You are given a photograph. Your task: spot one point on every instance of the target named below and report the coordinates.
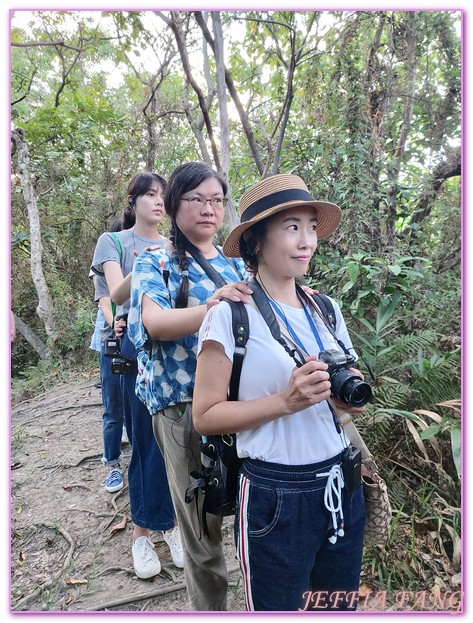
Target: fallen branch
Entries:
(76, 485)
(95, 514)
(29, 598)
(23, 405)
(131, 598)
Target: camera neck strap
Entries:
(280, 333)
(260, 302)
(203, 262)
(278, 323)
(310, 300)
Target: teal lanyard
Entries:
(291, 331)
(297, 340)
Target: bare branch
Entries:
(174, 26)
(28, 90)
(234, 95)
(30, 336)
(451, 167)
(46, 44)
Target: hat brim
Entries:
(328, 218)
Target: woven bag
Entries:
(377, 507)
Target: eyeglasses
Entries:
(217, 203)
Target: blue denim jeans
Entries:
(150, 500)
(112, 416)
(282, 530)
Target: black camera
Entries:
(351, 468)
(346, 386)
(111, 347)
(120, 363)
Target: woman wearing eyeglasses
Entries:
(170, 295)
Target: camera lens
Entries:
(349, 388)
(356, 392)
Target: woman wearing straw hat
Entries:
(170, 294)
(299, 532)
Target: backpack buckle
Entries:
(228, 440)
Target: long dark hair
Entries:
(184, 178)
(139, 185)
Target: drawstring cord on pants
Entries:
(333, 500)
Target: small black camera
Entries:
(351, 468)
(346, 386)
(120, 363)
(111, 347)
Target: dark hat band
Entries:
(276, 199)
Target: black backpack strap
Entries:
(327, 309)
(220, 463)
(241, 333)
(166, 277)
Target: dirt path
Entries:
(65, 555)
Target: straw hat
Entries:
(272, 195)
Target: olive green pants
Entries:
(205, 568)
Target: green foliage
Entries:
(34, 379)
(78, 329)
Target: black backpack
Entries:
(218, 480)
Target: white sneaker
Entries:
(173, 539)
(145, 559)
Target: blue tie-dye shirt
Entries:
(166, 369)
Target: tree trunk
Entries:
(30, 336)
(181, 46)
(44, 308)
(451, 167)
(150, 118)
(231, 214)
(411, 67)
(236, 100)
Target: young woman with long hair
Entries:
(150, 499)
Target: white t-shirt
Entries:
(305, 437)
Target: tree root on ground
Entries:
(108, 570)
(132, 598)
(29, 598)
(159, 591)
(94, 513)
(76, 485)
(23, 406)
